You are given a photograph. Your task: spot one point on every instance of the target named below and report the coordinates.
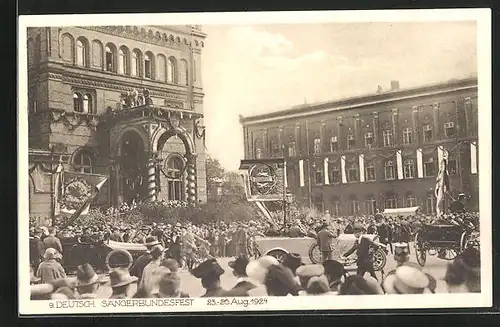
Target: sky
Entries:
(254, 69)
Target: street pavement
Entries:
(189, 284)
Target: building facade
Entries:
(120, 101)
(357, 155)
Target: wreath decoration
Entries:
(76, 192)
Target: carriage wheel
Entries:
(379, 259)
(315, 253)
(464, 242)
(420, 250)
(449, 253)
(278, 254)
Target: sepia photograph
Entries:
(244, 161)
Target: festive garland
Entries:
(76, 192)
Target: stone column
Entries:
(435, 114)
(191, 188)
(375, 130)
(152, 160)
(395, 126)
(414, 117)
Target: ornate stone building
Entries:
(121, 101)
(378, 151)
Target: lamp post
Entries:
(286, 206)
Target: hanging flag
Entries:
(342, 168)
(420, 165)
(399, 163)
(301, 173)
(473, 158)
(361, 167)
(442, 182)
(325, 166)
(84, 208)
(58, 187)
(285, 176)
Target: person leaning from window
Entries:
(363, 246)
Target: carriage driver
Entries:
(364, 250)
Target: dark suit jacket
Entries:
(217, 292)
(363, 250)
(52, 242)
(325, 239)
(240, 289)
(36, 250)
(138, 266)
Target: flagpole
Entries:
(308, 166)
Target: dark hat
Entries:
(334, 269)
(468, 263)
(157, 250)
(151, 241)
(239, 264)
(357, 285)
(280, 281)
(86, 275)
(358, 227)
(169, 281)
(121, 277)
(171, 264)
(207, 268)
(293, 261)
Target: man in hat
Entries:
(87, 281)
(279, 281)
(50, 269)
(141, 262)
(51, 241)
(293, 261)
(325, 241)
(458, 205)
(147, 281)
(363, 246)
(334, 272)
(243, 284)
(464, 273)
(116, 235)
(209, 272)
(36, 249)
(120, 282)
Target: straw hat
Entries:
(86, 275)
(50, 253)
(406, 280)
(121, 277)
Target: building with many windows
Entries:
(120, 101)
(357, 155)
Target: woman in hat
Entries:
(50, 269)
(245, 286)
(280, 281)
(120, 282)
(87, 281)
(147, 282)
(209, 272)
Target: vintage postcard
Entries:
(246, 161)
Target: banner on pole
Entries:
(265, 179)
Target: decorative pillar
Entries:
(375, 130)
(191, 180)
(395, 126)
(435, 115)
(152, 177)
(340, 135)
(414, 118)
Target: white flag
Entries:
(301, 173)
(325, 166)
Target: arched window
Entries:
(87, 104)
(183, 72)
(97, 54)
(408, 169)
(110, 58)
(171, 70)
(390, 202)
(389, 169)
(77, 102)
(410, 201)
(81, 53)
(175, 169)
(161, 63)
(123, 61)
(82, 162)
(148, 65)
(67, 48)
(135, 64)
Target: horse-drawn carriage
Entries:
(447, 241)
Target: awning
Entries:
(409, 211)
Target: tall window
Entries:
(183, 72)
(123, 64)
(427, 133)
(335, 207)
(390, 202)
(275, 148)
(351, 142)
(449, 129)
(258, 149)
(389, 169)
(352, 172)
(317, 146)
(135, 64)
(407, 136)
(81, 53)
(369, 171)
(368, 139)
(370, 205)
(408, 169)
(83, 162)
(452, 166)
(171, 70)
(431, 203)
(87, 104)
(292, 152)
(334, 145)
(353, 206)
(387, 136)
(335, 176)
(175, 167)
(148, 66)
(318, 175)
(77, 102)
(429, 167)
(410, 201)
(110, 59)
